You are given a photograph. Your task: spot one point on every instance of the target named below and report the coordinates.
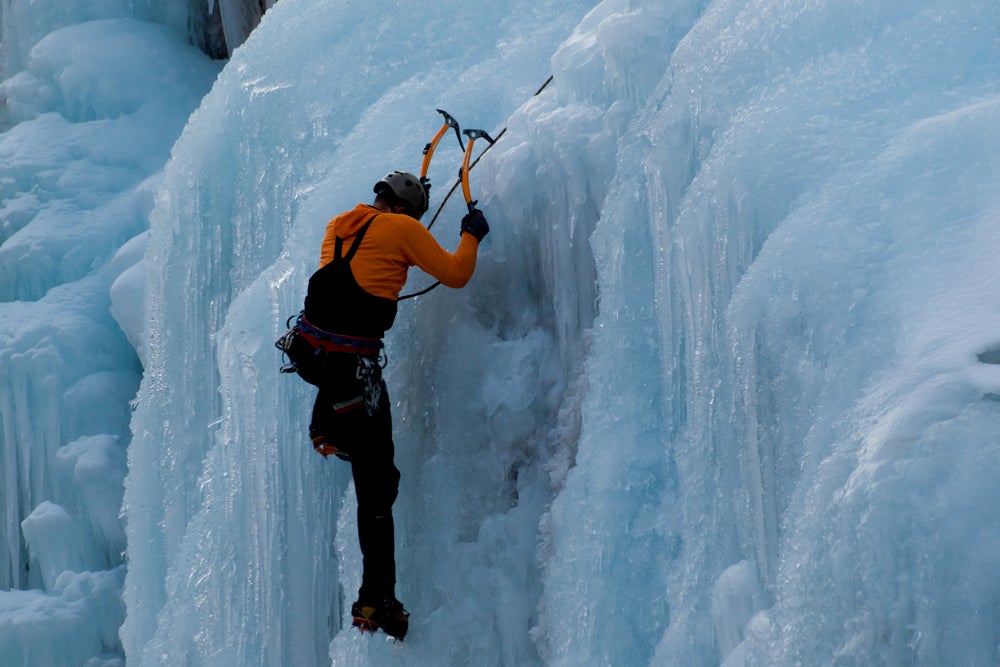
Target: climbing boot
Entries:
(387, 615)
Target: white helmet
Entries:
(407, 188)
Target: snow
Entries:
(91, 116)
(75, 623)
(723, 390)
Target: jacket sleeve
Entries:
(453, 269)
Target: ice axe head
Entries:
(449, 122)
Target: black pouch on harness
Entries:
(304, 358)
(321, 358)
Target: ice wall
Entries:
(25, 24)
(723, 390)
(89, 121)
(791, 342)
(692, 409)
(236, 535)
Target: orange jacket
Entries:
(393, 244)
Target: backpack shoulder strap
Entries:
(357, 240)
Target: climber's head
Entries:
(401, 188)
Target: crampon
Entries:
(387, 616)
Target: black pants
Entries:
(367, 440)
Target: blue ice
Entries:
(724, 390)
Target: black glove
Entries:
(475, 223)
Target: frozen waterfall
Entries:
(724, 390)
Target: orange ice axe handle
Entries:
(472, 135)
(449, 122)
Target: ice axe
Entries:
(449, 122)
(464, 174)
(467, 165)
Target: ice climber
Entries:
(351, 302)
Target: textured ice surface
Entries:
(724, 389)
